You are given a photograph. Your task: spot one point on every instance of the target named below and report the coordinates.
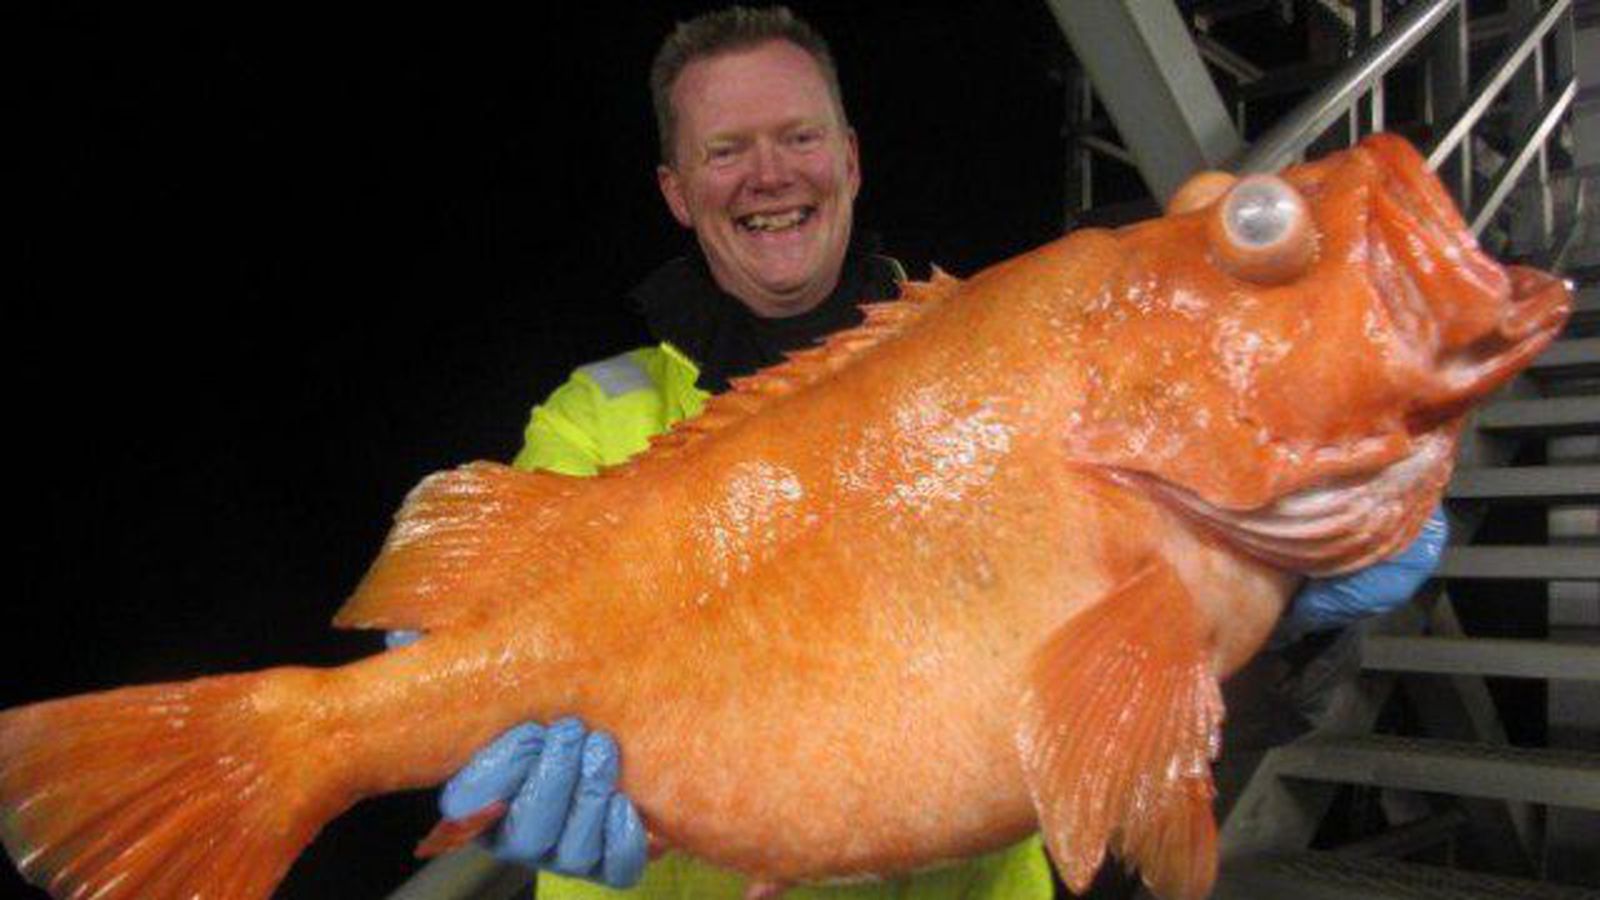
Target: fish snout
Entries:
(1539, 308)
(1531, 315)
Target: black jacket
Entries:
(681, 303)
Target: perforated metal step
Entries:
(1553, 777)
(1327, 876)
(1542, 484)
(1572, 563)
(1482, 656)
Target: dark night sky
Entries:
(277, 266)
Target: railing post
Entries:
(1078, 195)
(1369, 24)
(1531, 222)
(1446, 76)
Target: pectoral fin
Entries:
(1121, 719)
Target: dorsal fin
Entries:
(751, 394)
(458, 542)
(462, 537)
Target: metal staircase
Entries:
(1453, 749)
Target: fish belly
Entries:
(851, 708)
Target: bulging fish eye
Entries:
(1262, 231)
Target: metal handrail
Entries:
(1528, 146)
(1287, 140)
(1494, 84)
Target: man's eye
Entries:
(721, 153)
(805, 138)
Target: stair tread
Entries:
(1482, 656)
(1552, 776)
(1552, 415)
(1564, 355)
(1558, 563)
(1553, 483)
(1322, 875)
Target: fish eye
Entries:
(1262, 231)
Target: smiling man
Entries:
(764, 168)
(758, 159)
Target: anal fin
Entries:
(1121, 719)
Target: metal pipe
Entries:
(1529, 147)
(1485, 95)
(1237, 67)
(1285, 141)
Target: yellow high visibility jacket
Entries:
(605, 413)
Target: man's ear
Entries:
(853, 161)
(672, 191)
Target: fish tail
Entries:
(165, 791)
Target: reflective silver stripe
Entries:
(617, 376)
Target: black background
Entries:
(279, 264)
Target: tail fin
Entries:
(166, 791)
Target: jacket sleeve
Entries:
(603, 415)
(560, 436)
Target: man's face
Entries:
(766, 174)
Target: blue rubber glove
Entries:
(1328, 603)
(565, 814)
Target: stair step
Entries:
(1571, 357)
(1569, 563)
(1551, 416)
(1482, 656)
(1585, 311)
(1544, 484)
(1554, 777)
(1327, 876)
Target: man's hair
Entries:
(726, 31)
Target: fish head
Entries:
(1318, 333)
(1367, 244)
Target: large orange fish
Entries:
(970, 570)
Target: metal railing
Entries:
(1495, 144)
(1536, 67)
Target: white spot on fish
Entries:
(756, 498)
(945, 452)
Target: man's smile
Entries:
(768, 222)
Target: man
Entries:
(759, 160)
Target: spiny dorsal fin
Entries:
(751, 394)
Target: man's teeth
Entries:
(774, 221)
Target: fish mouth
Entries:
(1471, 323)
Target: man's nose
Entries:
(772, 168)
